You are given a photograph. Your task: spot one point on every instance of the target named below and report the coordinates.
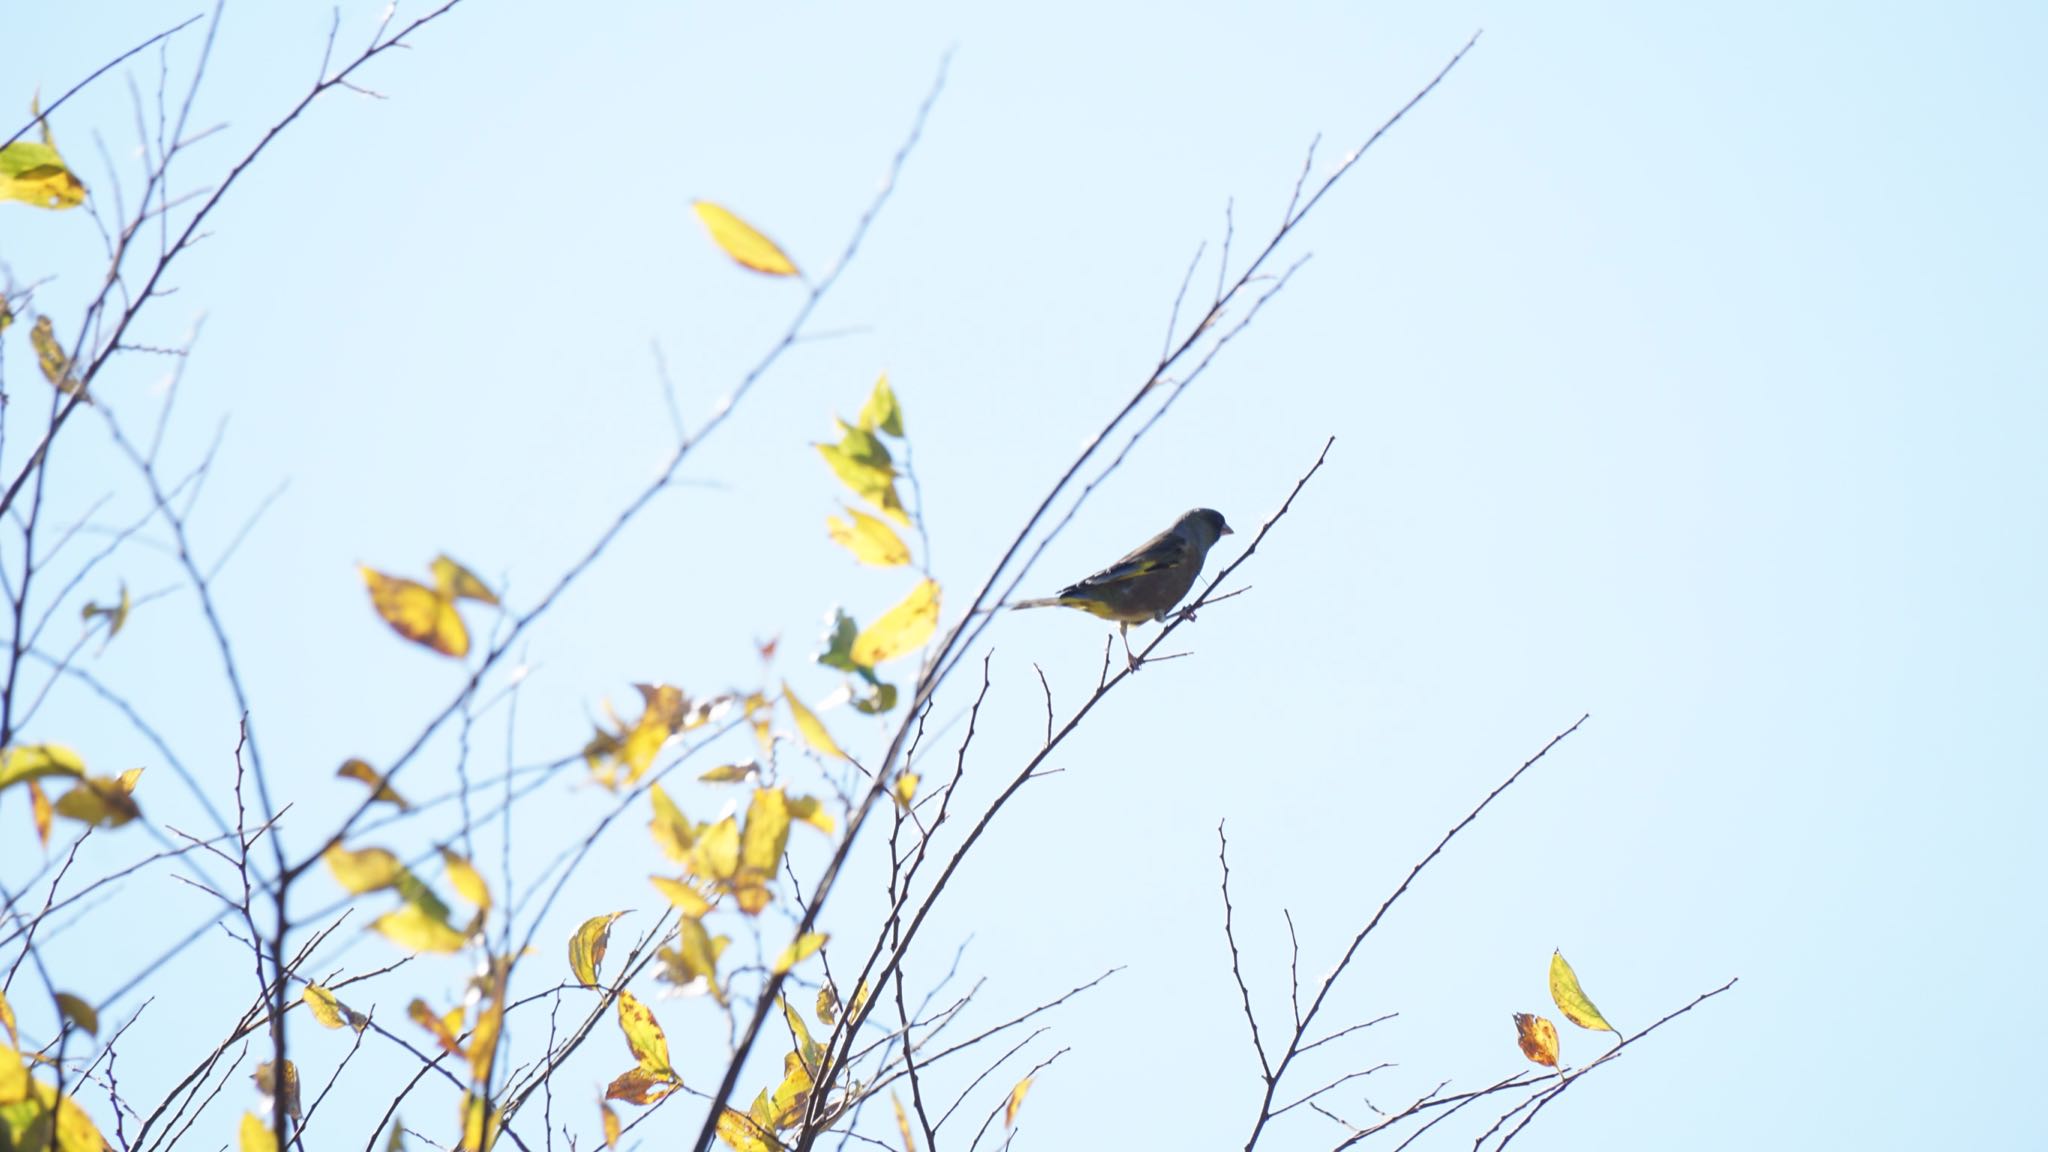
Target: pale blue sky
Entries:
(1686, 368)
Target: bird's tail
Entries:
(1045, 602)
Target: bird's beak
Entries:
(1227, 531)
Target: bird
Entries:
(1146, 584)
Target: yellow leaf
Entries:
(742, 1134)
(39, 811)
(695, 957)
(808, 1053)
(417, 612)
(902, 629)
(643, 1034)
(102, 801)
(325, 1008)
(1016, 1102)
(905, 788)
(482, 1050)
(35, 173)
(266, 1083)
(869, 539)
(672, 832)
(808, 726)
(15, 1083)
(480, 1123)
(739, 240)
(767, 831)
(1538, 1038)
(732, 773)
(469, 884)
(27, 1121)
(828, 1004)
(716, 855)
(454, 582)
(881, 412)
(586, 948)
(78, 1012)
(611, 1125)
(366, 871)
(799, 950)
(353, 769)
(785, 1107)
(903, 1124)
(662, 706)
(256, 1134)
(29, 761)
(7, 1022)
(761, 717)
(687, 899)
(52, 359)
(641, 1086)
(116, 615)
(415, 929)
(1571, 999)
(811, 810)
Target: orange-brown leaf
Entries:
(443, 1032)
(1016, 1102)
(1538, 1038)
(39, 810)
(641, 1086)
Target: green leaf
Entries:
(882, 700)
(838, 651)
(36, 174)
(863, 464)
(881, 411)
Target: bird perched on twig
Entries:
(1146, 584)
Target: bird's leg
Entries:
(1124, 630)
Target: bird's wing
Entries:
(1166, 549)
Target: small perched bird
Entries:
(1146, 584)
